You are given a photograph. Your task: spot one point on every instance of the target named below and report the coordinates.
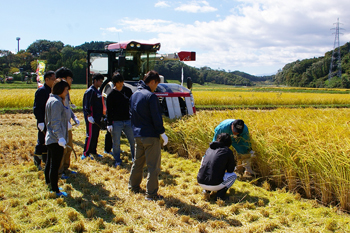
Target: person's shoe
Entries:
(67, 172)
(97, 155)
(60, 194)
(63, 176)
(108, 152)
(136, 190)
(154, 197)
(89, 156)
(221, 194)
(206, 192)
(39, 167)
(116, 164)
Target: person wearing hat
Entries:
(240, 141)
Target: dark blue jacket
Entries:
(145, 113)
(92, 104)
(41, 96)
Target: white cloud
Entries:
(257, 37)
(146, 25)
(162, 4)
(111, 29)
(196, 6)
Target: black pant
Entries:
(54, 157)
(92, 133)
(40, 149)
(108, 142)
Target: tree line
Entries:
(314, 72)
(57, 54)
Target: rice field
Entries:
(305, 150)
(99, 201)
(246, 99)
(24, 98)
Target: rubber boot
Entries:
(248, 168)
(221, 194)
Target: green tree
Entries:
(40, 46)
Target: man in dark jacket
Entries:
(218, 163)
(147, 123)
(41, 96)
(118, 116)
(93, 111)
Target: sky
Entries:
(258, 37)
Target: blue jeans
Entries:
(118, 127)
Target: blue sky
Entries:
(253, 36)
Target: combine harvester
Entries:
(133, 60)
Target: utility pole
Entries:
(336, 59)
(18, 43)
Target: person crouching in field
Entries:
(217, 166)
(56, 137)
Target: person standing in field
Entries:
(217, 166)
(147, 123)
(118, 116)
(67, 75)
(93, 112)
(240, 141)
(56, 121)
(41, 96)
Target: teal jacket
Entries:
(241, 143)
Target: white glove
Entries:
(62, 142)
(165, 139)
(77, 122)
(41, 126)
(69, 126)
(110, 128)
(91, 119)
(252, 154)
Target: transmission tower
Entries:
(335, 68)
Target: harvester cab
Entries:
(133, 60)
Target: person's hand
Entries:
(252, 154)
(73, 106)
(69, 126)
(77, 122)
(110, 128)
(165, 139)
(91, 119)
(62, 142)
(41, 126)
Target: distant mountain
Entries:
(172, 70)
